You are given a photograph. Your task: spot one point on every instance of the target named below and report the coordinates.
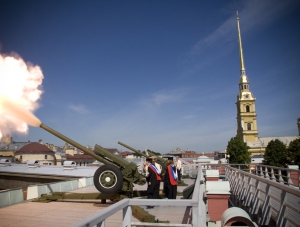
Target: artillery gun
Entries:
(115, 176)
(114, 180)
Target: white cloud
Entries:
(78, 109)
(163, 97)
(190, 116)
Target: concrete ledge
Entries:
(35, 191)
(10, 197)
(212, 173)
(217, 187)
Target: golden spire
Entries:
(242, 65)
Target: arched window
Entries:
(247, 108)
(249, 126)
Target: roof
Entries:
(78, 156)
(34, 148)
(125, 153)
(79, 171)
(202, 159)
(263, 141)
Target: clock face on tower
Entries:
(246, 96)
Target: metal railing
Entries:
(285, 176)
(290, 177)
(192, 169)
(198, 209)
(267, 199)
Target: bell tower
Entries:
(246, 113)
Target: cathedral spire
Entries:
(246, 113)
(242, 64)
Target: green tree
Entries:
(293, 152)
(238, 151)
(275, 154)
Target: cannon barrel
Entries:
(111, 157)
(161, 160)
(134, 150)
(102, 155)
(75, 144)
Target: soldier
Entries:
(170, 180)
(153, 180)
(157, 165)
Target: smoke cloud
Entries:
(20, 90)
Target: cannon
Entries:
(115, 176)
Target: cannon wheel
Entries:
(108, 179)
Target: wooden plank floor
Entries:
(53, 214)
(68, 213)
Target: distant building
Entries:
(81, 159)
(35, 151)
(190, 154)
(177, 152)
(114, 151)
(125, 154)
(8, 147)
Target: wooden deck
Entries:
(68, 213)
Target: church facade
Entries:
(246, 112)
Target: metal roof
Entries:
(263, 141)
(79, 171)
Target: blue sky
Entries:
(156, 74)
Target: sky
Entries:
(156, 75)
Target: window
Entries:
(247, 108)
(21, 157)
(45, 156)
(249, 126)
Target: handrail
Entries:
(265, 199)
(197, 204)
(267, 181)
(100, 216)
(292, 177)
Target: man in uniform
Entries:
(157, 165)
(170, 180)
(153, 180)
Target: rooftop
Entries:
(79, 171)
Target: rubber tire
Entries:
(108, 179)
